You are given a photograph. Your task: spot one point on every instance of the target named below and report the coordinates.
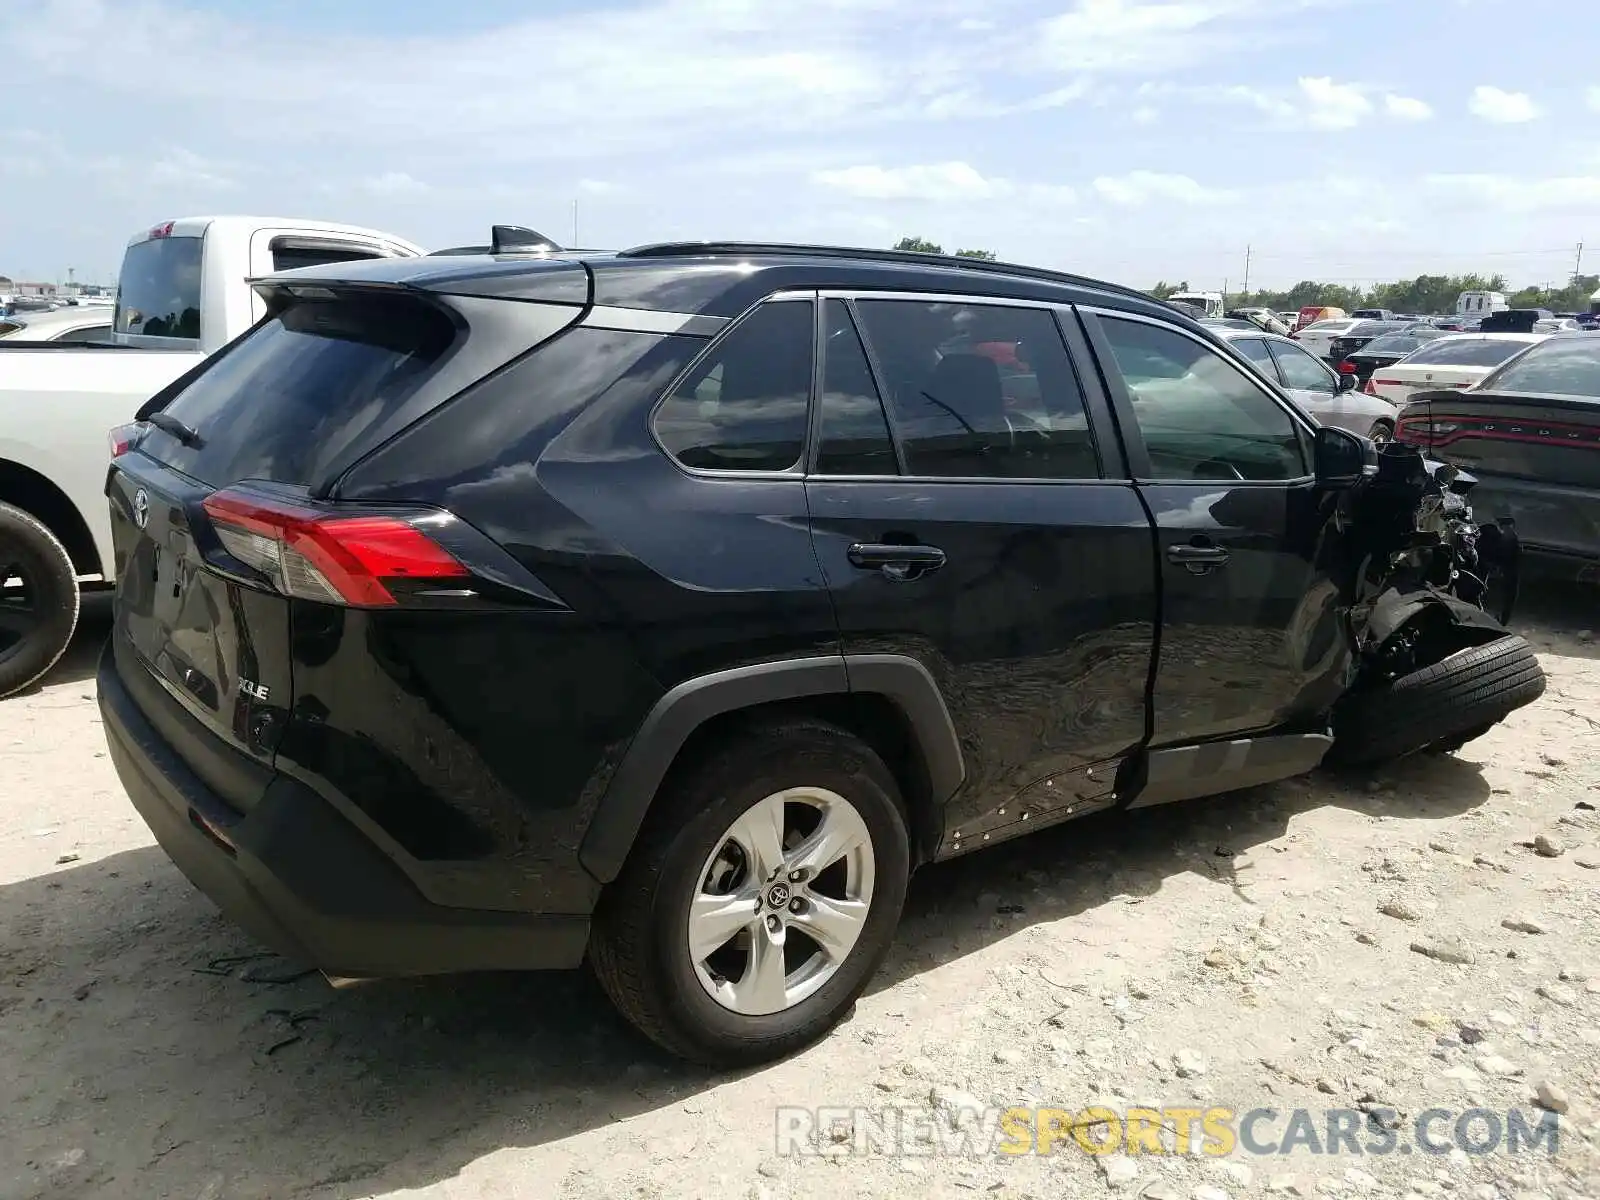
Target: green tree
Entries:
(919, 245)
(986, 255)
(1163, 289)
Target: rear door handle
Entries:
(1198, 559)
(897, 562)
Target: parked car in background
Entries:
(1261, 318)
(1355, 337)
(1319, 335)
(1382, 350)
(76, 325)
(1291, 319)
(1312, 313)
(1530, 434)
(184, 293)
(1456, 360)
(1558, 325)
(1375, 314)
(1328, 397)
(664, 610)
(1480, 304)
(1448, 324)
(1209, 304)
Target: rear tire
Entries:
(1441, 707)
(1381, 432)
(709, 1007)
(38, 599)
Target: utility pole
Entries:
(1577, 267)
(574, 221)
(1247, 272)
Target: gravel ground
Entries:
(1420, 939)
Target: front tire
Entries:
(38, 599)
(1442, 706)
(760, 898)
(1381, 432)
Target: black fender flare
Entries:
(673, 719)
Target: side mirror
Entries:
(1347, 383)
(1343, 459)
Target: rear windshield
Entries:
(1397, 343)
(287, 401)
(1480, 352)
(1567, 367)
(159, 291)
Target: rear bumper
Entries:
(1554, 522)
(305, 881)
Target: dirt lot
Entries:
(1287, 947)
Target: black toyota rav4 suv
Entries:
(667, 608)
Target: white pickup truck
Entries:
(183, 294)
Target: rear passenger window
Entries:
(979, 390)
(744, 406)
(1256, 351)
(854, 436)
(1200, 416)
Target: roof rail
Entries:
(908, 257)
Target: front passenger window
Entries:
(1301, 370)
(1199, 415)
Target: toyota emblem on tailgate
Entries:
(141, 508)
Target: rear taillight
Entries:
(1369, 389)
(125, 437)
(332, 558)
(1419, 429)
(1346, 367)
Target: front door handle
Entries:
(1198, 559)
(897, 562)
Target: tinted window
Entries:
(1567, 367)
(1301, 370)
(1255, 349)
(744, 406)
(291, 256)
(1200, 416)
(980, 390)
(853, 434)
(1476, 352)
(293, 395)
(1398, 343)
(159, 292)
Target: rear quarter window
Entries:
(296, 393)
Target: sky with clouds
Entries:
(1129, 139)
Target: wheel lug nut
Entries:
(797, 876)
(797, 906)
(773, 924)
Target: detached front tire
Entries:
(1440, 707)
(38, 599)
(760, 898)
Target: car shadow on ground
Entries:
(120, 982)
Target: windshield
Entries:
(1560, 367)
(1475, 352)
(159, 292)
(1395, 343)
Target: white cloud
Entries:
(1594, 98)
(393, 184)
(1406, 108)
(1330, 105)
(1131, 35)
(598, 187)
(1502, 107)
(1141, 187)
(943, 182)
(1519, 194)
(933, 181)
(1146, 114)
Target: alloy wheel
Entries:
(19, 606)
(781, 901)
